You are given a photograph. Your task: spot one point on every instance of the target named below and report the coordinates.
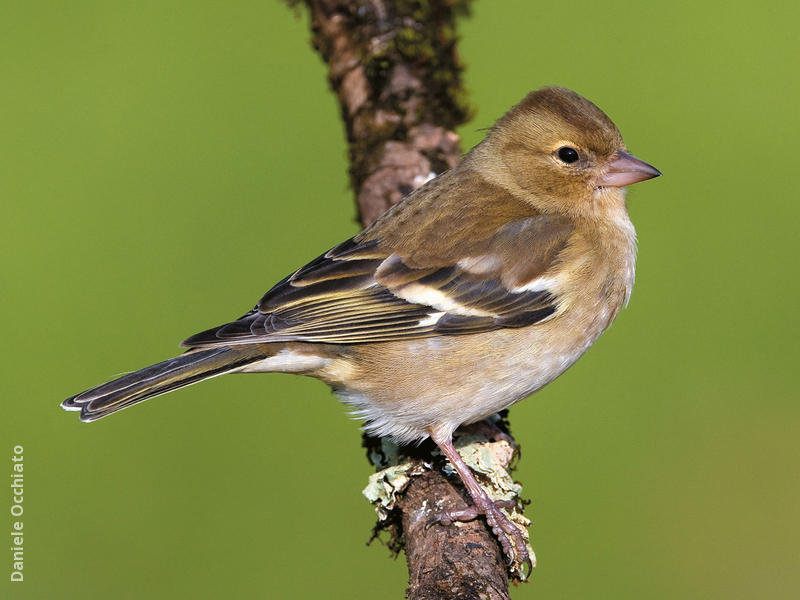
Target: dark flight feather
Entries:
(361, 292)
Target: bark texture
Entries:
(394, 68)
(457, 561)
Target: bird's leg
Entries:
(508, 534)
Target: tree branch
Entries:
(394, 68)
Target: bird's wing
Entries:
(363, 291)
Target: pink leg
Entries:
(508, 534)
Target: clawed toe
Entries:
(507, 533)
(462, 514)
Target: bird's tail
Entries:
(163, 377)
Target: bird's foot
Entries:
(507, 533)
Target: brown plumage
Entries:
(475, 291)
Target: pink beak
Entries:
(625, 170)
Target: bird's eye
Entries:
(568, 155)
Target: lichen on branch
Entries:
(394, 68)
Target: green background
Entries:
(163, 163)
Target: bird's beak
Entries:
(627, 169)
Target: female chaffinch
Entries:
(476, 290)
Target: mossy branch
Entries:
(394, 67)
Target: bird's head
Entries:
(564, 151)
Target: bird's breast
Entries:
(403, 388)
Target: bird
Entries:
(474, 291)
